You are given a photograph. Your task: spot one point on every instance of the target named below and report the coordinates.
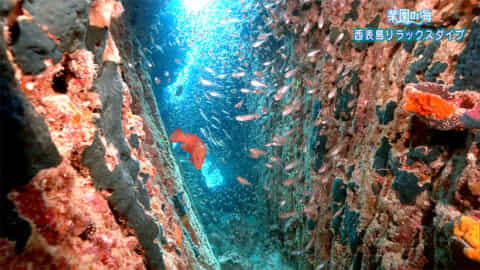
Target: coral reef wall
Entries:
(88, 180)
(384, 136)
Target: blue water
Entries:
(193, 54)
(206, 37)
(198, 37)
(210, 40)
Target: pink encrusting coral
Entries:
(111, 52)
(69, 215)
(66, 211)
(70, 115)
(74, 223)
(70, 124)
(59, 222)
(83, 71)
(102, 12)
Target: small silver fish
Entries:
(247, 117)
(209, 70)
(335, 150)
(291, 165)
(322, 264)
(204, 133)
(264, 36)
(339, 38)
(206, 83)
(280, 92)
(255, 83)
(288, 110)
(258, 43)
(203, 115)
(290, 73)
(238, 74)
(307, 28)
(239, 104)
(313, 53)
(298, 252)
(216, 94)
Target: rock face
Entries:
(390, 136)
(383, 141)
(88, 179)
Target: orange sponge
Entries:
(427, 104)
(468, 229)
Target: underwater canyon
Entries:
(239, 134)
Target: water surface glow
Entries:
(196, 5)
(213, 176)
(205, 30)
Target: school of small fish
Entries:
(262, 71)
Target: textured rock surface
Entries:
(382, 139)
(90, 181)
(384, 184)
